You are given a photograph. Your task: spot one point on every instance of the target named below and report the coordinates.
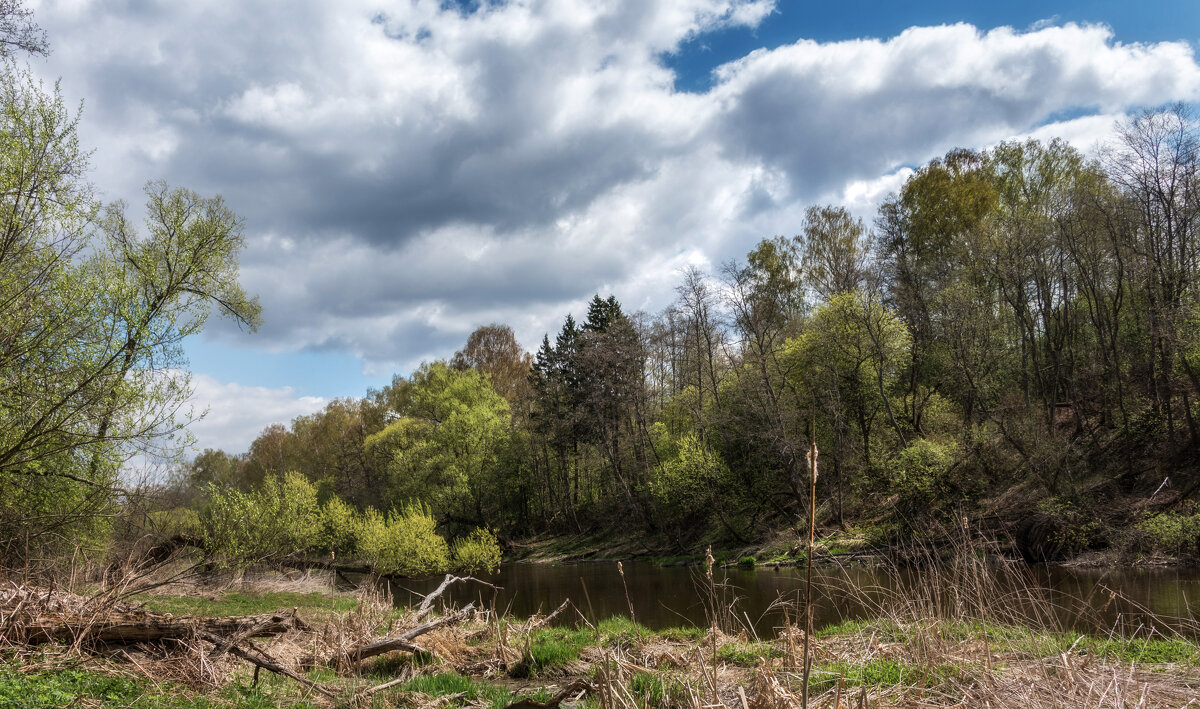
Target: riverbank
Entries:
(915, 650)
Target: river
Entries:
(1088, 600)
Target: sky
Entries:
(410, 170)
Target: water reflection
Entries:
(1081, 599)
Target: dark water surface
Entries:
(1087, 600)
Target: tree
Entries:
(444, 448)
(494, 351)
(92, 313)
(19, 32)
(835, 251)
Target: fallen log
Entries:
(118, 627)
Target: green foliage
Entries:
(405, 543)
(339, 527)
(280, 518)
(476, 552)
(1172, 532)
(445, 449)
(683, 485)
(919, 475)
(92, 318)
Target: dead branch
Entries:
(539, 622)
(427, 604)
(573, 691)
(266, 662)
(404, 640)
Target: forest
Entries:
(1016, 337)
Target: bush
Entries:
(280, 518)
(478, 551)
(1170, 532)
(339, 527)
(920, 475)
(405, 544)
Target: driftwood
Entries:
(427, 604)
(404, 640)
(114, 626)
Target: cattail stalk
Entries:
(812, 533)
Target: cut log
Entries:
(116, 627)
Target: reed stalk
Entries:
(812, 533)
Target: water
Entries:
(1079, 599)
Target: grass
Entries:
(747, 654)
(881, 672)
(464, 690)
(659, 689)
(226, 604)
(61, 687)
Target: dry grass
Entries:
(974, 632)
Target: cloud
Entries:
(238, 413)
(408, 172)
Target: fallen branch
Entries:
(404, 640)
(266, 662)
(573, 691)
(427, 604)
(539, 622)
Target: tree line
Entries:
(1024, 317)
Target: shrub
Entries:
(280, 518)
(339, 527)
(404, 543)
(1171, 532)
(478, 551)
(919, 474)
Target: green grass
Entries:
(552, 648)
(747, 654)
(1037, 643)
(72, 686)
(247, 603)
(682, 634)
(659, 689)
(878, 673)
(469, 690)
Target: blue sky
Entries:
(408, 171)
(1150, 21)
